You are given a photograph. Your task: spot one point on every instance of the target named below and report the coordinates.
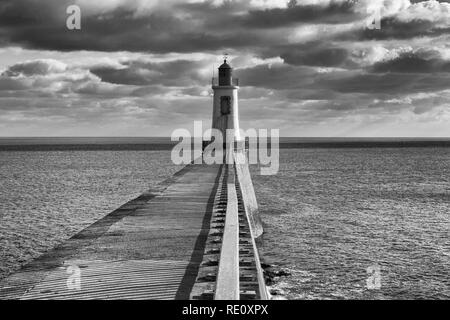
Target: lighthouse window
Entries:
(225, 105)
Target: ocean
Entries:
(330, 214)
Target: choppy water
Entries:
(46, 197)
(329, 214)
(332, 213)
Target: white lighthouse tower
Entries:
(225, 106)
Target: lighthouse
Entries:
(225, 104)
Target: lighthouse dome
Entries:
(224, 65)
(225, 74)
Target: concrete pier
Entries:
(150, 248)
(165, 244)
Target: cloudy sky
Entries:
(144, 67)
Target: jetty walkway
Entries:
(191, 237)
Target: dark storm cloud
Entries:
(200, 27)
(327, 57)
(239, 14)
(417, 1)
(194, 91)
(392, 28)
(310, 94)
(144, 91)
(173, 73)
(8, 84)
(42, 25)
(158, 33)
(195, 27)
(30, 68)
(278, 76)
(50, 78)
(422, 61)
(390, 83)
(303, 83)
(335, 12)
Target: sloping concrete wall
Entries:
(248, 194)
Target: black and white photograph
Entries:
(213, 151)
